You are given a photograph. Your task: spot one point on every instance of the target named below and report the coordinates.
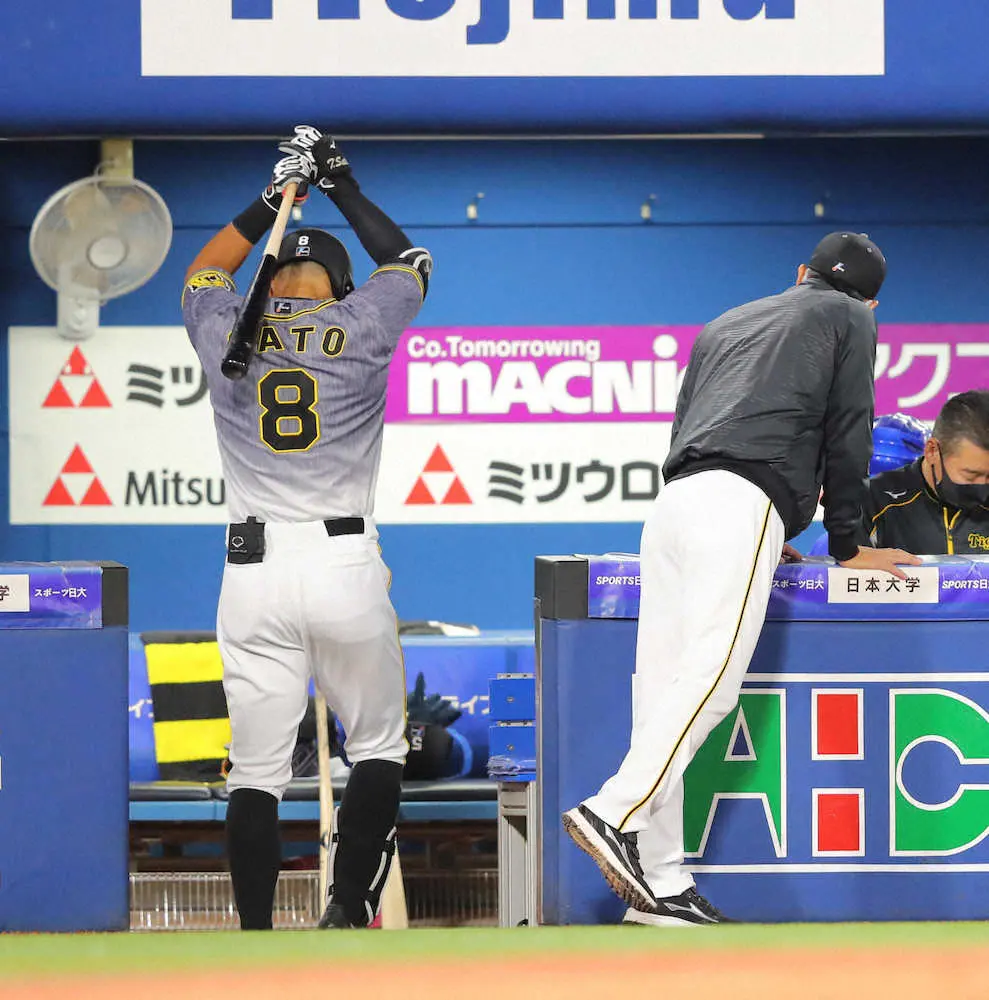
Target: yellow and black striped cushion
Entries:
(191, 726)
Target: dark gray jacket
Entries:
(781, 391)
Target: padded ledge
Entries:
(299, 790)
(454, 790)
(170, 791)
(422, 801)
(307, 790)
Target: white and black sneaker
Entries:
(689, 909)
(616, 854)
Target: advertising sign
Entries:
(946, 587)
(50, 595)
(483, 424)
(903, 753)
(505, 38)
(418, 67)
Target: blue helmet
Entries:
(897, 440)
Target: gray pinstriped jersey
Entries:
(300, 436)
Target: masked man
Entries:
(939, 504)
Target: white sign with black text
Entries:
(514, 38)
(865, 586)
(118, 430)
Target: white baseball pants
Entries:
(709, 549)
(316, 606)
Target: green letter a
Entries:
(743, 758)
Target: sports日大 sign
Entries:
(509, 38)
(479, 421)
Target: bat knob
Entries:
(235, 370)
(235, 364)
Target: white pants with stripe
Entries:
(316, 606)
(709, 549)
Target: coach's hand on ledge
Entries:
(790, 555)
(887, 560)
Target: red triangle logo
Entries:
(58, 396)
(77, 462)
(95, 496)
(95, 396)
(438, 462)
(420, 494)
(456, 493)
(77, 364)
(58, 496)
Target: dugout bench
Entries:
(458, 667)
(179, 826)
(166, 802)
(447, 828)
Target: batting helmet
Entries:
(897, 440)
(323, 249)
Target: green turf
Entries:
(33, 954)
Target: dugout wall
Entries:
(559, 241)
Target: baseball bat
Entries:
(394, 911)
(244, 336)
(325, 796)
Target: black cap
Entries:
(323, 249)
(850, 262)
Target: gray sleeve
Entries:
(394, 293)
(209, 307)
(686, 388)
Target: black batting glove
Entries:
(326, 156)
(431, 709)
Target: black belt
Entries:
(344, 526)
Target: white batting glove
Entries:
(290, 169)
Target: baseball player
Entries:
(777, 396)
(305, 591)
(939, 503)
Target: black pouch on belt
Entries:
(245, 542)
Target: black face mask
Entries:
(964, 496)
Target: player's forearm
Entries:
(380, 237)
(228, 249)
(232, 245)
(847, 447)
(843, 514)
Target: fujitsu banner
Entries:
(496, 67)
(513, 38)
(480, 421)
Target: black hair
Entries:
(964, 417)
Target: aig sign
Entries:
(811, 776)
(530, 38)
